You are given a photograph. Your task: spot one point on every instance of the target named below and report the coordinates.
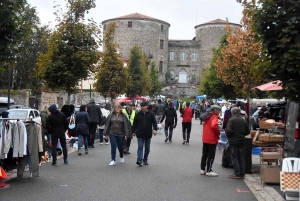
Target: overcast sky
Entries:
(183, 15)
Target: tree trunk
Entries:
(249, 105)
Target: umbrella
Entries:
(270, 86)
(127, 99)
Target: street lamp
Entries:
(90, 81)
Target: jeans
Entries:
(169, 127)
(85, 140)
(101, 135)
(48, 138)
(91, 136)
(186, 130)
(116, 141)
(208, 156)
(238, 159)
(141, 142)
(63, 143)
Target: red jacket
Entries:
(211, 130)
(187, 114)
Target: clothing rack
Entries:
(29, 120)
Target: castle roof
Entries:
(136, 16)
(216, 22)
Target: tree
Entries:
(277, 23)
(155, 84)
(242, 57)
(11, 30)
(71, 49)
(111, 76)
(138, 73)
(211, 85)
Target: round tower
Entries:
(150, 34)
(209, 35)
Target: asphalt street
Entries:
(173, 174)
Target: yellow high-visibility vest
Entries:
(131, 119)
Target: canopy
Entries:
(127, 99)
(270, 86)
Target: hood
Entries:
(206, 116)
(52, 108)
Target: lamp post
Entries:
(9, 85)
(90, 81)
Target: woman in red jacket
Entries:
(210, 139)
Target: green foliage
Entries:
(156, 87)
(111, 76)
(211, 85)
(11, 28)
(139, 77)
(277, 23)
(71, 49)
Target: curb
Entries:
(261, 192)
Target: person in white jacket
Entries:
(105, 113)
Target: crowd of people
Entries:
(126, 121)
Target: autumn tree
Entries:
(211, 85)
(241, 59)
(155, 84)
(71, 49)
(139, 76)
(277, 23)
(111, 75)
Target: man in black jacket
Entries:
(171, 121)
(57, 124)
(159, 110)
(236, 130)
(143, 122)
(95, 114)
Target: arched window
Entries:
(182, 76)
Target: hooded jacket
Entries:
(211, 129)
(170, 115)
(236, 130)
(57, 122)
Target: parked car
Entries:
(19, 107)
(25, 114)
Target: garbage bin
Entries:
(248, 155)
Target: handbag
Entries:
(72, 122)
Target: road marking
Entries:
(64, 185)
(242, 191)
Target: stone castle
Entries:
(179, 62)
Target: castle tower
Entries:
(150, 34)
(209, 35)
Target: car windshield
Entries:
(17, 114)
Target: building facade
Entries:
(182, 60)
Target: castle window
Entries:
(161, 44)
(172, 56)
(161, 27)
(182, 56)
(129, 24)
(194, 56)
(104, 27)
(161, 63)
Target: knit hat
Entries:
(52, 108)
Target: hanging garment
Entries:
(16, 140)
(25, 137)
(4, 130)
(34, 146)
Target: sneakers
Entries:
(86, 151)
(122, 160)
(202, 172)
(54, 163)
(139, 163)
(211, 174)
(112, 163)
(79, 152)
(107, 143)
(66, 161)
(183, 142)
(233, 176)
(187, 143)
(145, 163)
(101, 143)
(166, 140)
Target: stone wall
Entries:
(21, 97)
(146, 34)
(180, 91)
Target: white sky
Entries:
(183, 15)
